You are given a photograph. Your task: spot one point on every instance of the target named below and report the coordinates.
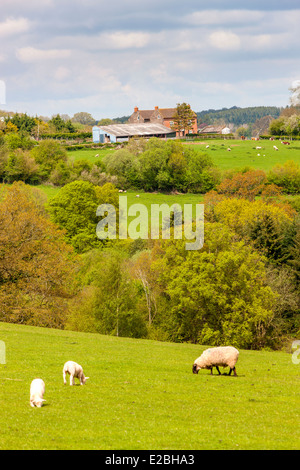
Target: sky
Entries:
(106, 57)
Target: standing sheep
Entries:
(37, 390)
(225, 356)
(75, 370)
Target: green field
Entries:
(89, 154)
(244, 153)
(142, 395)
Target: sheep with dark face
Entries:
(224, 356)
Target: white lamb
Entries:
(225, 356)
(37, 390)
(75, 370)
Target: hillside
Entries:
(237, 116)
(142, 395)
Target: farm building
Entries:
(164, 116)
(123, 132)
(212, 129)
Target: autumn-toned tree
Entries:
(36, 264)
(245, 185)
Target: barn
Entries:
(123, 132)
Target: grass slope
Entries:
(244, 153)
(142, 395)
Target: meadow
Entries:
(244, 153)
(142, 394)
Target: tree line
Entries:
(238, 116)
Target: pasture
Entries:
(142, 395)
(244, 153)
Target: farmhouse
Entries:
(164, 116)
(123, 132)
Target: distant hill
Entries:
(237, 116)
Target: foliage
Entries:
(183, 118)
(243, 185)
(286, 125)
(35, 263)
(238, 116)
(216, 295)
(109, 302)
(61, 125)
(287, 176)
(83, 118)
(48, 154)
(22, 122)
(74, 210)
(158, 165)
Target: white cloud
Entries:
(31, 54)
(124, 40)
(225, 40)
(14, 26)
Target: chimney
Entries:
(136, 109)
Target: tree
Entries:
(216, 295)
(108, 303)
(243, 185)
(83, 118)
(36, 265)
(184, 118)
(61, 125)
(23, 122)
(48, 154)
(74, 208)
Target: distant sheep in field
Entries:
(74, 370)
(137, 195)
(37, 390)
(274, 147)
(229, 149)
(225, 356)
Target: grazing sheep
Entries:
(229, 149)
(274, 147)
(225, 356)
(37, 390)
(75, 370)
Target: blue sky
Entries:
(101, 57)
